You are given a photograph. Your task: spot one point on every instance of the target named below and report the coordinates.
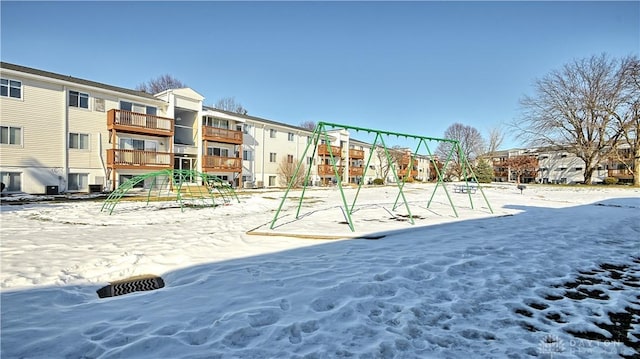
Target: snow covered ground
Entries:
(542, 276)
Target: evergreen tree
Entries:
(484, 171)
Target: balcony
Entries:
(406, 160)
(326, 150)
(221, 135)
(136, 159)
(221, 164)
(403, 173)
(356, 154)
(620, 173)
(140, 123)
(327, 170)
(356, 171)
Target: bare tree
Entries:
(496, 137)
(386, 163)
(287, 172)
(471, 146)
(522, 165)
(230, 104)
(309, 125)
(581, 108)
(160, 84)
(629, 120)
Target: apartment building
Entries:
(59, 133)
(559, 166)
(65, 134)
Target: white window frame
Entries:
(10, 84)
(247, 155)
(222, 152)
(80, 96)
(272, 181)
(79, 142)
(82, 181)
(272, 157)
(290, 136)
(9, 137)
(289, 158)
(273, 133)
(8, 179)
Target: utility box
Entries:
(51, 190)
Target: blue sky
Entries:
(410, 67)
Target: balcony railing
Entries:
(326, 150)
(403, 173)
(117, 158)
(328, 170)
(356, 171)
(133, 122)
(356, 154)
(221, 135)
(620, 173)
(221, 164)
(406, 160)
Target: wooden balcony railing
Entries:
(406, 160)
(133, 122)
(356, 171)
(117, 158)
(221, 164)
(327, 170)
(221, 135)
(620, 173)
(356, 154)
(326, 150)
(403, 173)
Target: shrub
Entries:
(378, 181)
(409, 180)
(610, 180)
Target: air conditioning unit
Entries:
(259, 184)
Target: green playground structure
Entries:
(321, 133)
(175, 185)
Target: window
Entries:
(12, 181)
(216, 122)
(272, 157)
(310, 161)
(272, 133)
(290, 136)
(246, 128)
(218, 152)
(131, 144)
(10, 135)
(78, 99)
(247, 155)
(79, 141)
(125, 178)
(77, 181)
(272, 180)
(10, 88)
(289, 158)
(578, 168)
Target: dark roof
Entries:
(29, 70)
(256, 118)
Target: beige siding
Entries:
(40, 113)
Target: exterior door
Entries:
(184, 163)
